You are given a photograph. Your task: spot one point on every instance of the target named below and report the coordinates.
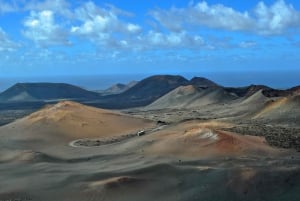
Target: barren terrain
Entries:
(179, 157)
(191, 142)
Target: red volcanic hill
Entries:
(205, 140)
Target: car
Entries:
(141, 132)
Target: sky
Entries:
(64, 37)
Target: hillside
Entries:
(205, 140)
(67, 120)
(282, 110)
(191, 96)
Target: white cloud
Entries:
(215, 16)
(61, 7)
(171, 40)
(171, 19)
(53, 22)
(264, 20)
(6, 45)
(42, 29)
(102, 25)
(133, 28)
(219, 16)
(277, 18)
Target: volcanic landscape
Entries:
(163, 138)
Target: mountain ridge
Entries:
(142, 93)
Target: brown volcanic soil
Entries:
(50, 130)
(187, 160)
(70, 120)
(194, 139)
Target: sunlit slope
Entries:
(70, 120)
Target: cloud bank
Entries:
(54, 22)
(275, 19)
(75, 30)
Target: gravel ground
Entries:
(277, 136)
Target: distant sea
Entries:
(277, 79)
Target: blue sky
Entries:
(61, 37)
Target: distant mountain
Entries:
(282, 93)
(131, 84)
(196, 92)
(266, 91)
(155, 86)
(246, 91)
(45, 91)
(202, 82)
(144, 92)
(118, 88)
(295, 90)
